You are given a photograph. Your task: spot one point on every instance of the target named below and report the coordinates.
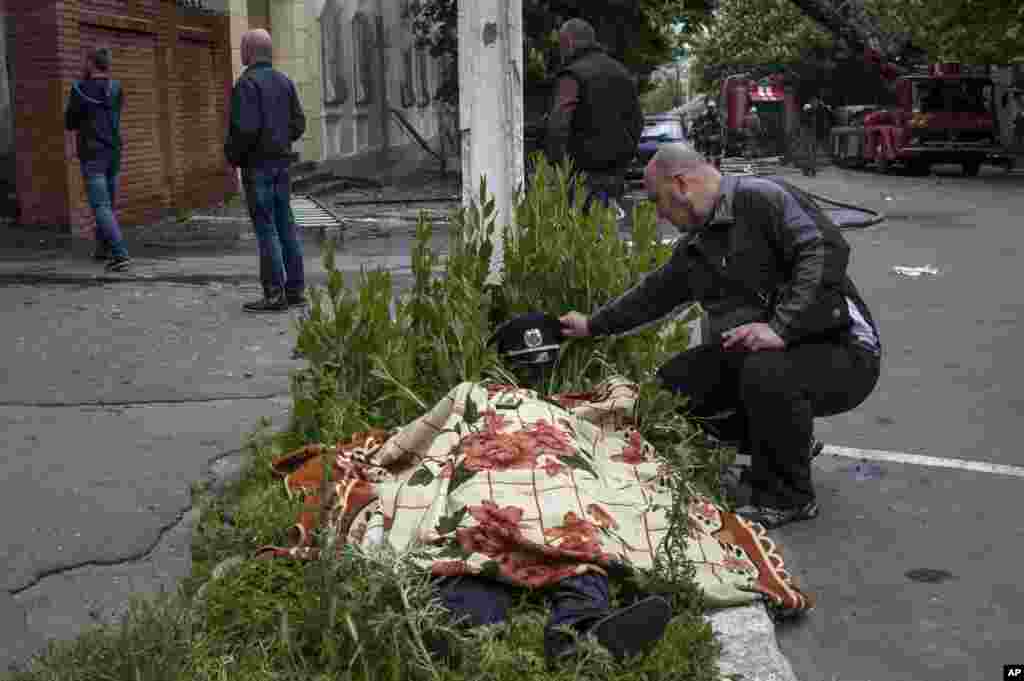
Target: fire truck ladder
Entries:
(851, 23)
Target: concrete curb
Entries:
(750, 650)
(28, 277)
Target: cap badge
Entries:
(532, 338)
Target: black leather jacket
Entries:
(787, 256)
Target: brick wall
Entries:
(175, 71)
(41, 148)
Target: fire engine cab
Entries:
(946, 114)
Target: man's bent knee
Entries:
(768, 371)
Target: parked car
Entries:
(658, 129)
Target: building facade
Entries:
(377, 89)
(361, 79)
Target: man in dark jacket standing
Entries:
(266, 118)
(94, 111)
(788, 337)
(596, 119)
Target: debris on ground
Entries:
(915, 271)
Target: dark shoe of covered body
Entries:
(625, 633)
(581, 603)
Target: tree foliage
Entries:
(754, 32)
(662, 96)
(777, 32)
(646, 30)
(969, 31)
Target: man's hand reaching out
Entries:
(575, 325)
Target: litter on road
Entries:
(915, 271)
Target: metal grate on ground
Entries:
(311, 213)
(737, 165)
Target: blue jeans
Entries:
(268, 193)
(576, 602)
(101, 187)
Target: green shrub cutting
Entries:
(378, 358)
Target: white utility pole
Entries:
(491, 106)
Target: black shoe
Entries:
(630, 631)
(101, 255)
(119, 264)
(274, 303)
(296, 299)
(625, 633)
(772, 517)
(439, 646)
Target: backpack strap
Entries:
(114, 91)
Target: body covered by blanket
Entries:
(528, 492)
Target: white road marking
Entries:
(923, 460)
(914, 459)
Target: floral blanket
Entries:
(496, 480)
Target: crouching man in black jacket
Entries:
(787, 336)
(266, 118)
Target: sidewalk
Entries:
(27, 258)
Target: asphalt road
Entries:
(952, 386)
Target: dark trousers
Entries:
(603, 187)
(268, 193)
(576, 602)
(774, 397)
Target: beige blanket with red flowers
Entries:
(495, 480)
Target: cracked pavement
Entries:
(121, 391)
(115, 400)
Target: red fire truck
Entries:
(946, 114)
(776, 107)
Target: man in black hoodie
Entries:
(94, 111)
(266, 118)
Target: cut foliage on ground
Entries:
(378, 360)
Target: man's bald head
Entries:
(575, 34)
(672, 160)
(683, 185)
(256, 46)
